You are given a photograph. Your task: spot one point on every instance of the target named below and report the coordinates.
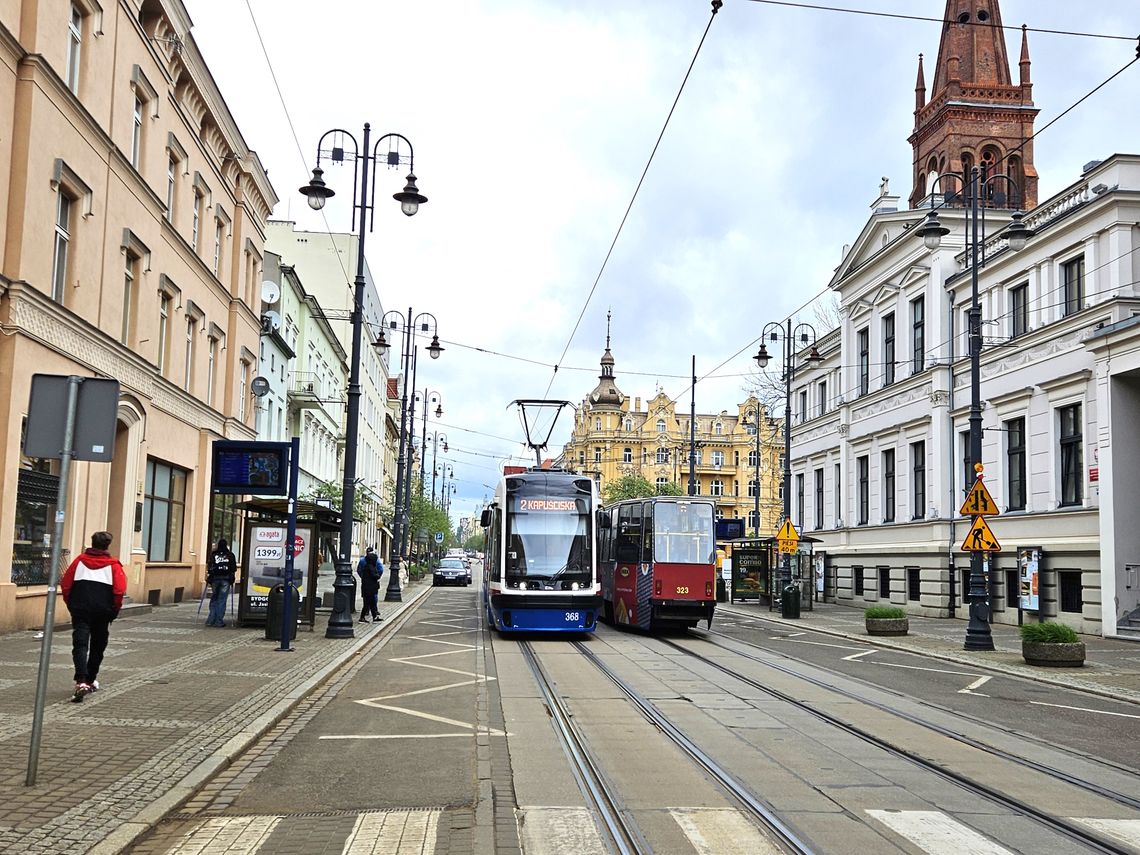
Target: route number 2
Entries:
(682, 589)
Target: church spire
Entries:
(920, 87)
(975, 115)
(606, 393)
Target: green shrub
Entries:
(889, 612)
(1048, 633)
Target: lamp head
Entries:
(762, 356)
(381, 343)
(814, 358)
(316, 191)
(1017, 233)
(931, 231)
(435, 348)
(410, 198)
(439, 411)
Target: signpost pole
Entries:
(53, 577)
(290, 536)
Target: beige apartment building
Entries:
(131, 246)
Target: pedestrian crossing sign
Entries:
(980, 538)
(979, 502)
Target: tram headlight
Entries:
(574, 586)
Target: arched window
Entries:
(661, 425)
(1016, 186)
(932, 177)
(717, 429)
(598, 423)
(753, 458)
(662, 455)
(750, 428)
(753, 489)
(989, 166)
(753, 520)
(967, 169)
(629, 424)
(627, 455)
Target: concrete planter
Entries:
(887, 626)
(1054, 655)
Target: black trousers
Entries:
(89, 637)
(368, 597)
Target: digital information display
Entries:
(257, 468)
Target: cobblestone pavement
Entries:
(1111, 669)
(178, 701)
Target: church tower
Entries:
(976, 115)
(606, 393)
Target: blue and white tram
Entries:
(540, 570)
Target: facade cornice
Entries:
(899, 396)
(10, 45)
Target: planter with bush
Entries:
(1051, 645)
(886, 620)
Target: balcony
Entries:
(304, 390)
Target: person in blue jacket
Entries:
(369, 569)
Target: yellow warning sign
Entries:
(980, 538)
(979, 502)
(787, 532)
(787, 547)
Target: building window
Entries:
(884, 583)
(918, 479)
(753, 458)
(716, 488)
(598, 423)
(838, 497)
(753, 489)
(1073, 279)
(718, 459)
(822, 397)
(130, 297)
(597, 455)
(1015, 463)
(196, 222)
(889, 485)
(136, 134)
(864, 466)
(171, 183)
(1069, 585)
(74, 47)
(191, 332)
(718, 429)
(800, 499)
(627, 455)
(661, 425)
(662, 455)
(163, 330)
(219, 229)
(889, 349)
(803, 405)
(918, 335)
(243, 390)
(1019, 310)
(1072, 458)
(967, 463)
(863, 337)
(857, 580)
(164, 510)
(818, 499)
(211, 368)
(661, 484)
(629, 424)
(63, 208)
(914, 584)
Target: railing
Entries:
(30, 563)
(305, 382)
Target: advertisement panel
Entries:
(265, 564)
(749, 572)
(1029, 570)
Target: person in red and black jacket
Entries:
(93, 588)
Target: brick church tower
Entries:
(975, 115)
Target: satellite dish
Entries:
(259, 386)
(270, 292)
(271, 321)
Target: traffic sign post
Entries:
(787, 539)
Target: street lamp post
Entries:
(693, 432)
(756, 492)
(978, 634)
(805, 334)
(436, 438)
(411, 323)
(427, 395)
(344, 586)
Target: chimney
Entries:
(637, 405)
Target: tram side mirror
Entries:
(485, 518)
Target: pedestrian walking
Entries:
(93, 587)
(221, 567)
(369, 569)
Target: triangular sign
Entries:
(788, 532)
(980, 538)
(979, 502)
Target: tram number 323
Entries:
(573, 617)
(682, 589)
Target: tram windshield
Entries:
(549, 532)
(683, 532)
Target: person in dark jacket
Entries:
(93, 587)
(221, 568)
(369, 569)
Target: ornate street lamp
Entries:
(317, 192)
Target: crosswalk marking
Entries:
(558, 831)
(934, 832)
(227, 835)
(722, 831)
(397, 832)
(1125, 830)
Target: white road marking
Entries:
(978, 683)
(429, 717)
(1084, 709)
(396, 832)
(232, 835)
(558, 831)
(365, 736)
(1127, 831)
(935, 833)
(920, 668)
(813, 643)
(855, 656)
(722, 831)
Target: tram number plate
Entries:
(573, 617)
(682, 589)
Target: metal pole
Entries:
(290, 537)
(756, 500)
(978, 634)
(393, 592)
(407, 531)
(344, 586)
(789, 362)
(693, 432)
(423, 444)
(434, 449)
(53, 578)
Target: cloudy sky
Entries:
(532, 122)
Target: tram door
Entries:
(627, 559)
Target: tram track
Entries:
(992, 750)
(1058, 825)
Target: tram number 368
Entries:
(682, 589)
(573, 617)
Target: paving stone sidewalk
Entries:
(178, 701)
(1111, 669)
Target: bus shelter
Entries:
(756, 571)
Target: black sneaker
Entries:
(82, 690)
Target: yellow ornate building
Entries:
(614, 436)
